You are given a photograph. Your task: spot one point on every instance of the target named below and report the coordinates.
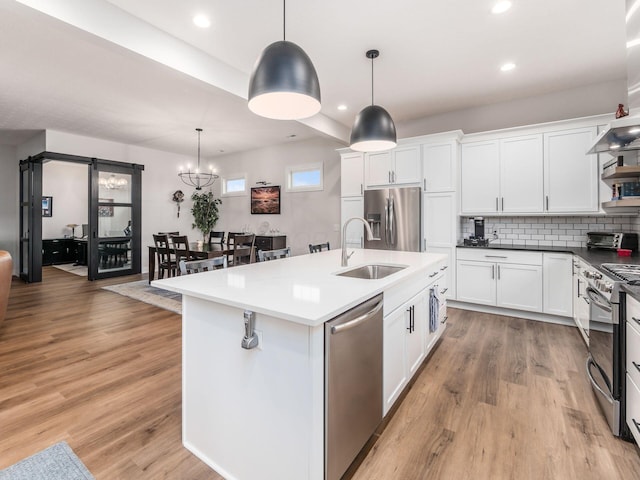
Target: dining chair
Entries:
(243, 249)
(266, 255)
(165, 260)
(216, 237)
(181, 247)
(169, 234)
(319, 247)
(202, 265)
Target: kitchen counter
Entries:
(593, 257)
(302, 289)
(260, 412)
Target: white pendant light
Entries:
(284, 83)
(373, 129)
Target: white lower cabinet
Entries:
(633, 367)
(557, 272)
(500, 278)
(407, 340)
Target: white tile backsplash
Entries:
(549, 231)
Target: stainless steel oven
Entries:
(602, 367)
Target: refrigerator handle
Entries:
(392, 221)
(386, 221)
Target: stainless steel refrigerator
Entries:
(395, 216)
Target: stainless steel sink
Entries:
(372, 272)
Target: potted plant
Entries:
(205, 212)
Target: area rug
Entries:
(142, 291)
(57, 462)
(80, 270)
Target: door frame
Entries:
(31, 199)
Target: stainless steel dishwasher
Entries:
(353, 383)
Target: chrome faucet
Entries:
(345, 256)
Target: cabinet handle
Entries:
(444, 320)
(443, 291)
(635, 320)
(496, 204)
(503, 204)
(636, 365)
(424, 182)
(495, 256)
(409, 327)
(361, 189)
(578, 296)
(389, 175)
(498, 272)
(444, 268)
(547, 200)
(493, 272)
(433, 274)
(636, 424)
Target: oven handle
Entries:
(595, 297)
(593, 382)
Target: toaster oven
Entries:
(612, 240)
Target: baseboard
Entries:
(541, 317)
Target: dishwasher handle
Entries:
(357, 321)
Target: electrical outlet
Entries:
(259, 334)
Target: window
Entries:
(305, 178)
(234, 185)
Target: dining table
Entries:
(197, 250)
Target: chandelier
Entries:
(197, 178)
(113, 182)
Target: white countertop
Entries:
(301, 289)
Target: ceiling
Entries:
(139, 71)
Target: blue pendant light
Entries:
(373, 129)
(284, 83)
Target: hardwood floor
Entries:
(500, 398)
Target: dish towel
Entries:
(434, 309)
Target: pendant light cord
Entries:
(284, 20)
(372, 80)
(199, 130)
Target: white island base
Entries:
(259, 413)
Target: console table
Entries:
(56, 251)
(270, 242)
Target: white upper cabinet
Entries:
(352, 175)
(480, 177)
(540, 173)
(571, 176)
(521, 175)
(439, 167)
(400, 166)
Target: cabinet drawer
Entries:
(499, 256)
(633, 353)
(633, 311)
(633, 409)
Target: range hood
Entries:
(619, 136)
(624, 134)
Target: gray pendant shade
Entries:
(373, 130)
(284, 83)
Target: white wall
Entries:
(68, 184)
(306, 217)
(9, 201)
(579, 102)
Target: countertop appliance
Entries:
(612, 240)
(353, 383)
(605, 362)
(395, 217)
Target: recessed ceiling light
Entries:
(342, 107)
(501, 7)
(508, 67)
(201, 21)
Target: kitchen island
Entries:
(259, 413)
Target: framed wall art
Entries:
(105, 210)
(265, 200)
(47, 206)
